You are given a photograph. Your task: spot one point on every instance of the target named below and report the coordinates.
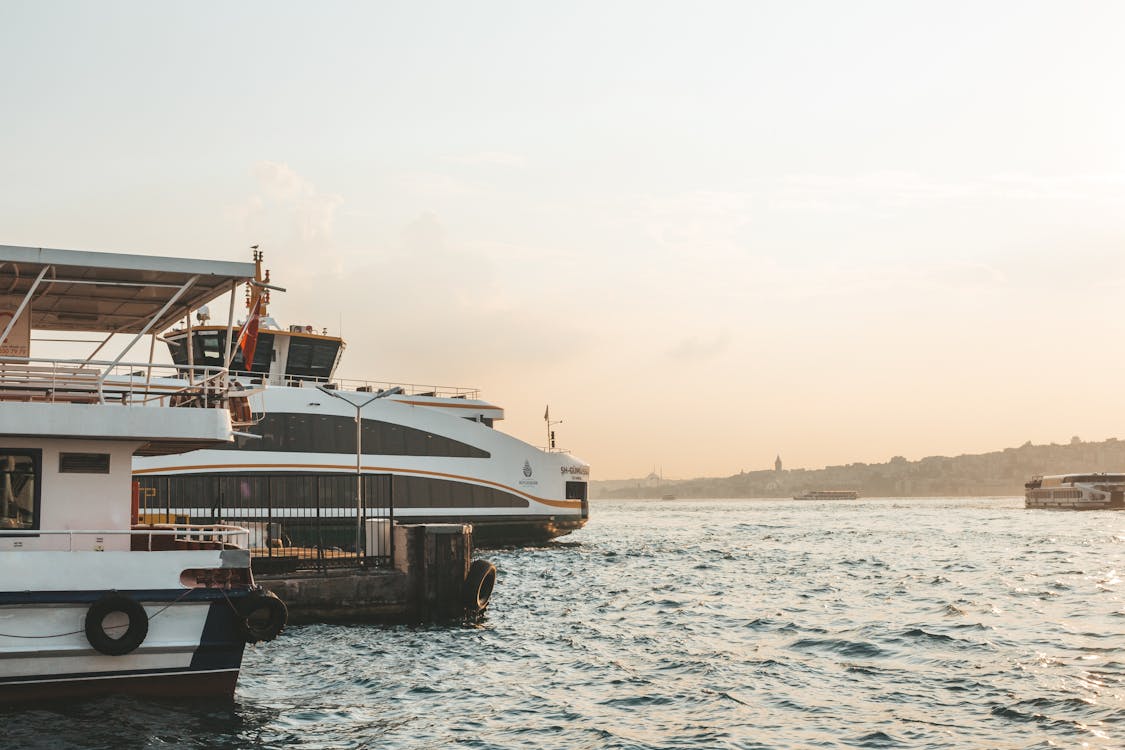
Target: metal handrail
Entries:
(129, 382)
(160, 529)
(408, 389)
(188, 532)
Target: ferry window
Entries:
(83, 463)
(314, 433)
(416, 443)
(177, 350)
(19, 488)
(311, 358)
(576, 491)
(209, 349)
(263, 354)
(441, 497)
(337, 491)
(423, 492)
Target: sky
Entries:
(704, 233)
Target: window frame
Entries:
(36, 456)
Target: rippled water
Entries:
(708, 624)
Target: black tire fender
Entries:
(135, 633)
(479, 583)
(261, 616)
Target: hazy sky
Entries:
(704, 232)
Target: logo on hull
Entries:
(527, 472)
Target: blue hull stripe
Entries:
(8, 598)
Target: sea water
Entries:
(878, 623)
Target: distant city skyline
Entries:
(703, 234)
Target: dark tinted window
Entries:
(250, 496)
(311, 358)
(315, 433)
(576, 490)
(178, 350)
(211, 350)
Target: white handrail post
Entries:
(230, 324)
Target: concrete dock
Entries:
(433, 579)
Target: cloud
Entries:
(313, 212)
(449, 310)
(700, 221)
(287, 212)
(890, 191)
(697, 348)
(489, 159)
(425, 236)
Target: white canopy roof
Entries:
(91, 291)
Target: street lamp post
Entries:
(358, 454)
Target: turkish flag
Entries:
(248, 338)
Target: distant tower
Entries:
(777, 463)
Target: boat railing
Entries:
(178, 536)
(410, 389)
(374, 386)
(98, 382)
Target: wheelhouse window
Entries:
(20, 472)
(311, 358)
(211, 349)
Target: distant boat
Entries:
(1076, 492)
(828, 495)
(667, 497)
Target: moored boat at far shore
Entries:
(1076, 492)
(828, 495)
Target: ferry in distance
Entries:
(1076, 492)
(828, 495)
(445, 461)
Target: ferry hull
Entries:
(192, 648)
(502, 532)
(217, 684)
(1049, 504)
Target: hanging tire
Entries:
(261, 616)
(135, 632)
(478, 586)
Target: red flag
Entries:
(248, 338)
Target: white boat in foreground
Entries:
(437, 447)
(1076, 492)
(90, 601)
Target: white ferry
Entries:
(828, 495)
(439, 446)
(91, 601)
(1076, 492)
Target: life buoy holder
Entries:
(261, 616)
(135, 632)
(479, 583)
